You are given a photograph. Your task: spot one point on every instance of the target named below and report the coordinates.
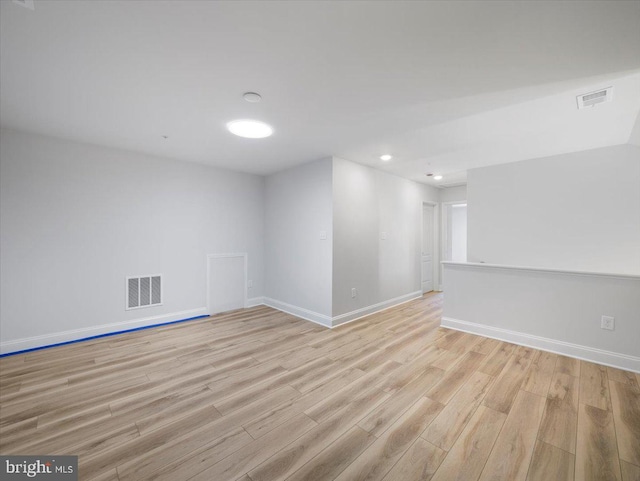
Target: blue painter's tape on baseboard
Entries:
(108, 334)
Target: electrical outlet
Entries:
(323, 235)
(383, 235)
(250, 284)
(607, 323)
(354, 292)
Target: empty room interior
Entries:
(320, 240)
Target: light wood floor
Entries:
(259, 395)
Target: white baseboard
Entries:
(380, 306)
(342, 318)
(79, 334)
(608, 358)
(255, 301)
(312, 316)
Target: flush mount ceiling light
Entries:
(250, 129)
(252, 97)
(386, 157)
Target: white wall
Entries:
(75, 219)
(298, 262)
(634, 137)
(574, 211)
(366, 203)
(453, 194)
(555, 311)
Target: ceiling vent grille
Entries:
(594, 98)
(144, 291)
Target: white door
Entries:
(226, 282)
(427, 247)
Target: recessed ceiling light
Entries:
(386, 157)
(437, 177)
(252, 97)
(251, 129)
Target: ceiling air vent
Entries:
(594, 98)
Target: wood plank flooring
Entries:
(259, 395)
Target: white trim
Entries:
(540, 269)
(218, 256)
(608, 358)
(335, 321)
(255, 301)
(298, 311)
(76, 334)
(380, 306)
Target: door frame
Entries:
(435, 242)
(218, 256)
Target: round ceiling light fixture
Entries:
(250, 129)
(386, 157)
(437, 177)
(252, 97)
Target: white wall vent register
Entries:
(144, 291)
(593, 98)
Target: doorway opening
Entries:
(454, 232)
(457, 233)
(427, 248)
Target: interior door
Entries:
(427, 247)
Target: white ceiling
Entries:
(443, 86)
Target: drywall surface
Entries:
(76, 219)
(556, 311)
(634, 136)
(574, 211)
(298, 246)
(377, 231)
(453, 194)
